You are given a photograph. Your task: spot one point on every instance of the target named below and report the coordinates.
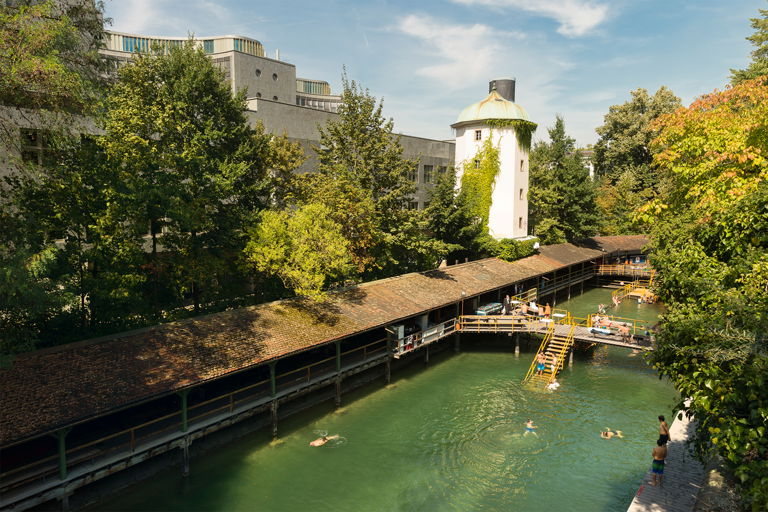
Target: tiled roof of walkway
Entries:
(53, 388)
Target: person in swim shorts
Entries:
(541, 361)
(529, 428)
(657, 466)
(320, 441)
(663, 430)
(611, 433)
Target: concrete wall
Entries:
(301, 124)
(257, 76)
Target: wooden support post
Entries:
(338, 356)
(338, 391)
(388, 370)
(457, 342)
(184, 410)
(272, 383)
(426, 355)
(185, 457)
(62, 445)
(570, 358)
(64, 502)
(517, 344)
(274, 419)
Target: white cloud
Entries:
(576, 17)
(463, 51)
(171, 17)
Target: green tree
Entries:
(361, 149)
(623, 158)
(709, 232)
(193, 166)
(451, 220)
(561, 195)
(305, 248)
(759, 65)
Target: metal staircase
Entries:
(556, 343)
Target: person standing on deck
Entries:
(663, 431)
(657, 466)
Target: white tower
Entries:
(508, 215)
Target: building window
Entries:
(258, 95)
(413, 175)
(522, 165)
(520, 222)
(34, 147)
(442, 170)
(477, 164)
(274, 77)
(478, 135)
(274, 98)
(426, 205)
(258, 73)
(413, 205)
(429, 174)
(521, 193)
(208, 46)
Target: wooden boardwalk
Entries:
(683, 475)
(511, 324)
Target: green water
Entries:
(449, 437)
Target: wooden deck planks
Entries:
(683, 475)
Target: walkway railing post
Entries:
(184, 410)
(62, 445)
(272, 383)
(338, 356)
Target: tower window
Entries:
(274, 98)
(258, 73)
(522, 165)
(274, 77)
(520, 222)
(258, 95)
(521, 193)
(478, 135)
(477, 164)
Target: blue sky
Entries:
(429, 59)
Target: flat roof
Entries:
(52, 388)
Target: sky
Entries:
(429, 59)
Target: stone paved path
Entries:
(683, 475)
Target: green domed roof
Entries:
(492, 107)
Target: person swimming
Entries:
(611, 433)
(529, 428)
(320, 441)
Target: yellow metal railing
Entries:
(568, 343)
(544, 342)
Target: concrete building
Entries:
(508, 216)
(285, 103)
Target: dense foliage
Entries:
(561, 194)
(709, 228)
(623, 158)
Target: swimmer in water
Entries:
(320, 441)
(529, 426)
(611, 433)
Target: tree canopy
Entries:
(709, 231)
(759, 64)
(561, 194)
